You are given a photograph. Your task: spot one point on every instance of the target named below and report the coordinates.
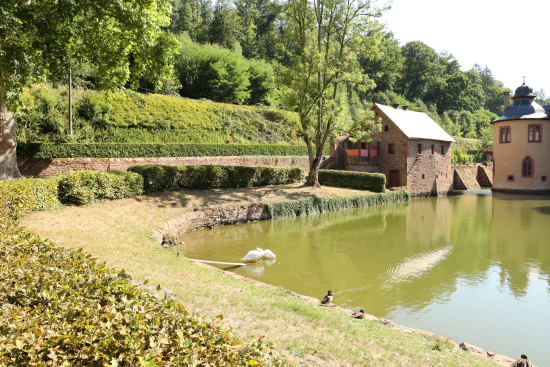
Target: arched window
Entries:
(527, 167)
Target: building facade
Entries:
(521, 153)
(411, 150)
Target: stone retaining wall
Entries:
(55, 166)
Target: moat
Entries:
(474, 267)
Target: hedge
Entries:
(62, 307)
(161, 178)
(356, 180)
(313, 205)
(45, 150)
(22, 196)
(84, 187)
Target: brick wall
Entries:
(429, 174)
(54, 166)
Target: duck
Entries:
(328, 298)
(359, 315)
(523, 361)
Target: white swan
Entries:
(253, 255)
(258, 254)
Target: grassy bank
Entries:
(118, 232)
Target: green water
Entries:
(474, 267)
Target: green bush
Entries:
(63, 308)
(25, 195)
(83, 187)
(459, 157)
(44, 150)
(313, 205)
(356, 180)
(162, 178)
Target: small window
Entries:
(543, 178)
(419, 148)
(510, 178)
(527, 167)
(442, 150)
(423, 176)
(505, 134)
(391, 148)
(433, 149)
(436, 176)
(535, 133)
(386, 128)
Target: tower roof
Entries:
(525, 107)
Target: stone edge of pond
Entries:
(221, 215)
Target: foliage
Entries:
(84, 187)
(131, 117)
(356, 180)
(42, 150)
(26, 195)
(65, 308)
(465, 144)
(314, 205)
(459, 157)
(329, 37)
(222, 75)
(160, 178)
(48, 38)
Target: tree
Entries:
(225, 26)
(46, 38)
(329, 37)
(420, 70)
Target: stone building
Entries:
(521, 154)
(411, 150)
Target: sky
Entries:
(507, 36)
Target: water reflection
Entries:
(470, 266)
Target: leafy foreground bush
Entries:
(83, 187)
(44, 150)
(356, 180)
(313, 205)
(26, 195)
(62, 308)
(159, 178)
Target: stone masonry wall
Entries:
(465, 177)
(398, 160)
(429, 174)
(55, 166)
(371, 168)
(484, 176)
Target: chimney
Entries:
(506, 100)
(395, 105)
(405, 108)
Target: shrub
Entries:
(313, 205)
(83, 187)
(25, 195)
(61, 307)
(161, 178)
(356, 180)
(459, 157)
(44, 150)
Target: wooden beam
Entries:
(217, 262)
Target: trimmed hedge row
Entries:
(356, 180)
(62, 307)
(107, 150)
(84, 187)
(161, 178)
(313, 205)
(25, 195)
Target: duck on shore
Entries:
(328, 299)
(359, 315)
(523, 361)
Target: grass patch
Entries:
(119, 233)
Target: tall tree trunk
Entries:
(8, 158)
(313, 178)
